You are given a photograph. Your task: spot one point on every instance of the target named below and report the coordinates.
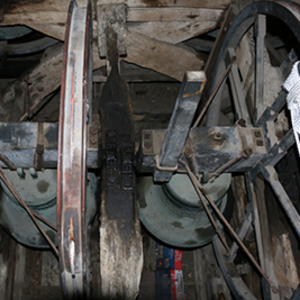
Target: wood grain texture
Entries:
(162, 57)
(172, 32)
(172, 14)
(222, 4)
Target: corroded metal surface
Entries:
(71, 188)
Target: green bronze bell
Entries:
(174, 213)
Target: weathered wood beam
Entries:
(172, 32)
(162, 57)
(42, 80)
(171, 23)
(221, 4)
(46, 76)
(59, 5)
(163, 14)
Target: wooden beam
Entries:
(36, 17)
(46, 76)
(59, 5)
(167, 22)
(172, 32)
(12, 7)
(42, 80)
(163, 14)
(162, 57)
(221, 4)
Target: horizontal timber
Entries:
(163, 14)
(18, 143)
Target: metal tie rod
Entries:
(231, 230)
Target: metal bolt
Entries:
(216, 139)
(259, 143)
(257, 133)
(247, 152)
(218, 136)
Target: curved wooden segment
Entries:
(235, 283)
(71, 188)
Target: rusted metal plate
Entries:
(71, 179)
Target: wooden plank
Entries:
(149, 249)
(50, 275)
(12, 7)
(196, 21)
(262, 232)
(188, 274)
(9, 291)
(164, 14)
(5, 257)
(222, 4)
(19, 272)
(36, 17)
(210, 65)
(44, 79)
(162, 57)
(173, 32)
(231, 13)
(209, 281)
(59, 5)
(147, 286)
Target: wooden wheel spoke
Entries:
(239, 99)
(255, 188)
(237, 286)
(260, 32)
(271, 176)
(247, 221)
